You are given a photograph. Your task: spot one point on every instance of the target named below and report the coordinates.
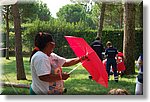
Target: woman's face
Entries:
(50, 47)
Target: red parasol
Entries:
(93, 64)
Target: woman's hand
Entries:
(83, 57)
(65, 76)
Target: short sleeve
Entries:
(42, 67)
(60, 60)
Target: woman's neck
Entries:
(46, 52)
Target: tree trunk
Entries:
(18, 44)
(15, 85)
(141, 15)
(7, 32)
(101, 20)
(129, 37)
(121, 17)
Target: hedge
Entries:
(59, 30)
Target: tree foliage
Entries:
(72, 13)
(113, 15)
(30, 11)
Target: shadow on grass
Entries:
(77, 84)
(130, 76)
(90, 87)
(10, 67)
(15, 91)
(80, 87)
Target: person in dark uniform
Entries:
(111, 54)
(97, 46)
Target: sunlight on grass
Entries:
(4, 61)
(9, 71)
(77, 84)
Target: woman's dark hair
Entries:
(40, 42)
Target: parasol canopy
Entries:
(93, 64)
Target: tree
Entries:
(43, 12)
(72, 13)
(141, 14)
(101, 14)
(121, 17)
(18, 43)
(129, 37)
(30, 11)
(6, 13)
(101, 20)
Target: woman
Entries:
(47, 76)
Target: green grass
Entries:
(77, 84)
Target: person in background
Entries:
(120, 65)
(111, 54)
(46, 67)
(97, 46)
(139, 78)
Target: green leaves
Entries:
(72, 13)
(30, 11)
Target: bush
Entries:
(59, 29)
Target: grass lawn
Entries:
(77, 84)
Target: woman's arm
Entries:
(73, 61)
(53, 77)
(70, 62)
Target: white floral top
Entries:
(56, 63)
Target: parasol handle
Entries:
(74, 68)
